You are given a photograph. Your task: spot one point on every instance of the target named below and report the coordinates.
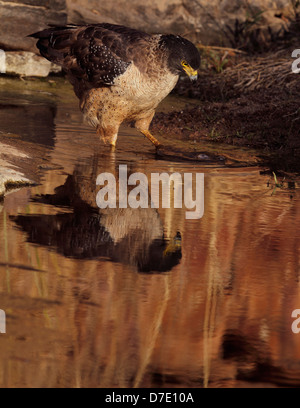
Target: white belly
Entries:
(146, 92)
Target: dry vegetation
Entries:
(253, 94)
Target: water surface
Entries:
(142, 298)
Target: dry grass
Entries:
(263, 72)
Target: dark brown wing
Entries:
(93, 56)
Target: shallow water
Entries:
(142, 298)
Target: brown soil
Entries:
(262, 112)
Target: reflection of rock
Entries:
(34, 123)
(9, 176)
(20, 18)
(23, 122)
(130, 236)
(255, 361)
(12, 178)
(237, 347)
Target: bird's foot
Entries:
(158, 149)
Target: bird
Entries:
(119, 74)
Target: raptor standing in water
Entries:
(118, 73)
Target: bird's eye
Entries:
(184, 63)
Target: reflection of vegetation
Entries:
(285, 185)
(277, 184)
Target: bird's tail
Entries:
(55, 43)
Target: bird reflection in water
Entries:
(130, 236)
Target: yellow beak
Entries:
(192, 73)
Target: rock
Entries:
(25, 64)
(19, 18)
(154, 16)
(55, 69)
(200, 20)
(208, 21)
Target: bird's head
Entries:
(183, 56)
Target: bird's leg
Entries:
(143, 126)
(152, 139)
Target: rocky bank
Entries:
(208, 21)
